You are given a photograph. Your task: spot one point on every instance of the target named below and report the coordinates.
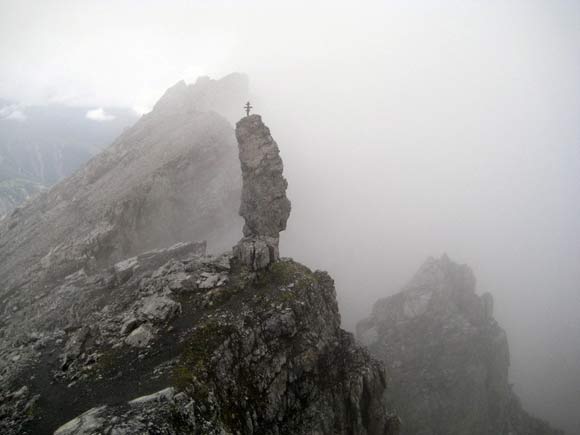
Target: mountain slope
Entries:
(173, 176)
(15, 191)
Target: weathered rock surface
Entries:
(257, 252)
(447, 357)
(249, 353)
(173, 176)
(141, 337)
(264, 207)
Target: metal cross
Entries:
(248, 107)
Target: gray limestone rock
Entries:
(165, 394)
(140, 337)
(257, 252)
(86, 424)
(75, 345)
(211, 280)
(158, 308)
(264, 206)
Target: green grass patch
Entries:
(197, 354)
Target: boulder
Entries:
(158, 308)
(141, 336)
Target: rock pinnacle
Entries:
(264, 207)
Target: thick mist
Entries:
(407, 129)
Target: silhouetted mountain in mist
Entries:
(447, 357)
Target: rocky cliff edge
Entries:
(174, 341)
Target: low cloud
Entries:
(141, 110)
(12, 112)
(99, 115)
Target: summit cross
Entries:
(248, 107)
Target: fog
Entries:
(407, 129)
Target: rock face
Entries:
(264, 207)
(173, 176)
(447, 357)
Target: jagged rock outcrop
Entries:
(175, 342)
(173, 176)
(265, 207)
(447, 357)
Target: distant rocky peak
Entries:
(441, 275)
(447, 357)
(439, 287)
(176, 95)
(224, 96)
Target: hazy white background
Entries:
(408, 129)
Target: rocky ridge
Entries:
(173, 341)
(173, 176)
(447, 357)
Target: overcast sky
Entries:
(408, 129)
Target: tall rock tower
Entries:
(265, 207)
